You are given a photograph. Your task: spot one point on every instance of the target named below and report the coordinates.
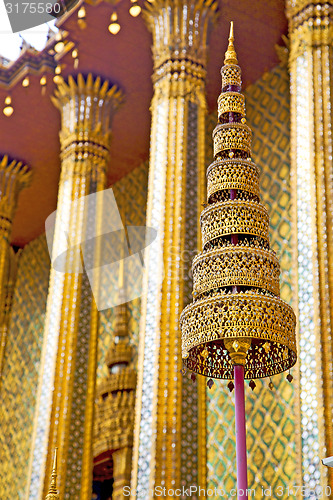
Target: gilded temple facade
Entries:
(106, 387)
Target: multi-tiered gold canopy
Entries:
(237, 316)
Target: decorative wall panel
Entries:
(21, 364)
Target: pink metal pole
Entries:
(240, 432)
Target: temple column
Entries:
(14, 176)
(311, 73)
(167, 433)
(66, 392)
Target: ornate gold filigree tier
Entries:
(237, 317)
(231, 101)
(231, 75)
(230, 137)
(234, 217)
(223, 175)
(266, 320)
(245, 266)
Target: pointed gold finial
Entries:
(231, 56)
(53, 492)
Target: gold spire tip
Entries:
(231, 33)
(53, 492)
(230, 55)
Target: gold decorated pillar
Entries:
(169, 443)
(13, 177)
(310, 63)
(66, 391)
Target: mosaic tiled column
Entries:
(310, 62)
(13, 177)
(64, 410)
(167, 433)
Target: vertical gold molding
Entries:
(295, 278)
(202, 397)
(164, 453)
(310, 61)
(66, 392)
(14, 176)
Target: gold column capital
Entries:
(179, 29)
(310, 25)
(305, 7)
(87, 107)
(14, 176)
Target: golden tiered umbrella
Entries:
(237, 325)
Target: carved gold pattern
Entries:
(310, 64)
(65, 406)
(231, 101)
(176, 178)
(228, 217)
(237, 174)
(246, 266)
(229, 324)
(228, 137)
